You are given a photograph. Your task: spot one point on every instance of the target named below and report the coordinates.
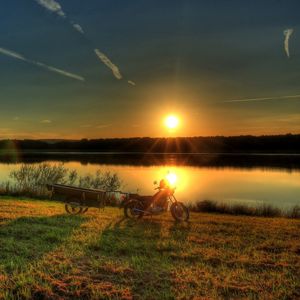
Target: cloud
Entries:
(131, 82)
(115, 70)
(59, 71)
(103, 126)
(55, 7)
(46, 121)
(52, 6)
(16, 118)
(12, 54)
(39, 64)
(5, 129)
(287, 33)
(78, 28)
(264, 99)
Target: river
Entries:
(248, 179)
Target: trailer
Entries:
(78, 200)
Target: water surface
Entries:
(248, 179)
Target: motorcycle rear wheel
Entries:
(180, 212)
(133, 210)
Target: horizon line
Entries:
(146, 137)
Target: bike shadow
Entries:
(26, 239)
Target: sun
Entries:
(171, 122)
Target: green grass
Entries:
(45, 254)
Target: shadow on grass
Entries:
(27, 239)
(137, 256)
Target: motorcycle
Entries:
(137, 206)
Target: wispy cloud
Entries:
(52, 6)
(5, 129)
(103, 126)
(12, 54)
(287, 33)
(46, 121)
(39, 64)
(115, 70)
(78, 27)
(59, 71)
(265, 98)
(55, 7)
(131, 82)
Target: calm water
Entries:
(251, 179)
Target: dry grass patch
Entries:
(103, 256)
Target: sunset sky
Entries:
(108, 68)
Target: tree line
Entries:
(288, 143)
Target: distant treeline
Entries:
(288, 143)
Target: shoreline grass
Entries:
(46, 254)
(238, 209)
(204, 206)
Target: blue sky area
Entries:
(189, 58)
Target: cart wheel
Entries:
(73, 208)
(84, 210)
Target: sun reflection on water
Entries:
(172, 179)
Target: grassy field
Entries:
(45, 254)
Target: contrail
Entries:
(115, 70)
(263, 99)
(287, 33)
(55, 7)
(39, 64)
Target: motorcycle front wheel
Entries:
(180, 212)
(133, 209)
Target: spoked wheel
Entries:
(133, 210)
(180, 212)
(73, 208)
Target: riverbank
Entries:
(47, 254)
(239, 209)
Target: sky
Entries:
(114, 68)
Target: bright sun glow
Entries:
(172, 178)
(171, 121)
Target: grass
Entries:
(46, 254)
(263, 210)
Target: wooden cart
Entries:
(79, 200)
